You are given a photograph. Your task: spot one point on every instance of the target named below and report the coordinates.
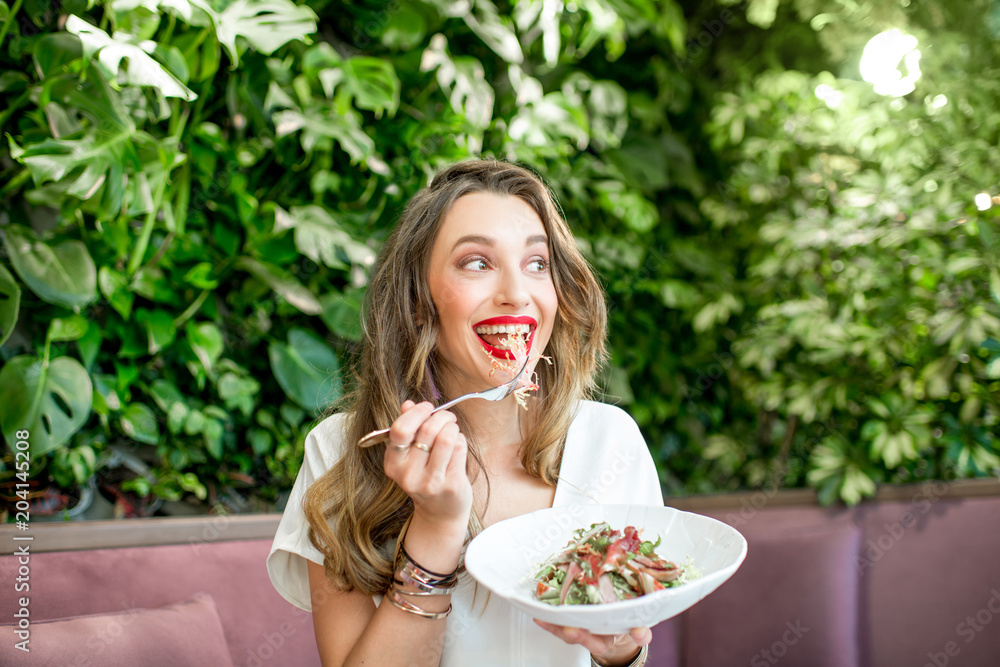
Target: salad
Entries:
(518, 348)
(600, 564)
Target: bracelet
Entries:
(402, 603)
(423, 589)
(412, 570)
(639, 660)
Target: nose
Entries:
(512, 291)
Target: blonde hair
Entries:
(355, 512)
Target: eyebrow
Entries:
(490, 242)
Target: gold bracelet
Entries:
(639, 660)
(402, 603)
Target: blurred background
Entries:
(792, 205)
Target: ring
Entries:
(400, 448)
(422, 447)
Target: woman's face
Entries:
(489, 269)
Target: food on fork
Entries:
(516, 342)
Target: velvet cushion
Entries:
(806, 579)
(188, 633)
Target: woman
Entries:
(482, 247)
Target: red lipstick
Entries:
(506, 319)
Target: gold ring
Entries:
(422, 447)
(400, 448)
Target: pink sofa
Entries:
(134, 591)
(909, 580)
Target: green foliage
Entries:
(193, 192)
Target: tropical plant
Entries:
(193, 192)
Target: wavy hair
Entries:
(355, 512)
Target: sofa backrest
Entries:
(260, 627)
(910, 579)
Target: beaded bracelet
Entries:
(402, 603)
(639, 660)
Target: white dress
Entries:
(605, 461)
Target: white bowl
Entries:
(503, 556)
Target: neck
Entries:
(497, 424)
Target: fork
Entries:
(494, 394)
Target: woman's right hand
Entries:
(435, 480)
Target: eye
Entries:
(474, 264)
(538, 265)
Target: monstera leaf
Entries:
(142, 69)
(266, 24)
(51, 403)
(63, 274)
(307, 369)
(320, 237)
(10, 300)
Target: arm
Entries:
(350, 630)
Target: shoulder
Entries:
(325, 443)
(606, 459)
(593, 417)
(605, 428)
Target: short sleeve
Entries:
(291, 549)
(606, 460)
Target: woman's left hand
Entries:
(606, 649)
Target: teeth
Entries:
(503, 329)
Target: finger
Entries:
(405, 427)
(432, 426)
(442, 452)
(572, 635)
(641, 636)
(459, 457)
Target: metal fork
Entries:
(494, 394)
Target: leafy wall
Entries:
(802, 291)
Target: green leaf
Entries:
(206, 342)
(159, 326)
(201, 276)
(64, 274)
(10, 304)
(342, 313)
(857, 485)
(265, 24)
(307, 370)
(260, 441)
(405, 30)
(106, 399)
(282, 283)
(114, 287)
(68, 328)
(762, 12)
(90, 344)
(51, 403)
(138, 421)
(321, 238)
(496, 31)
(55, 50)
(678, 294)
(373, 84)
(142, 69)
(212, 434)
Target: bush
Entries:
(193, 194)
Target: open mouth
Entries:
(503, 339)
